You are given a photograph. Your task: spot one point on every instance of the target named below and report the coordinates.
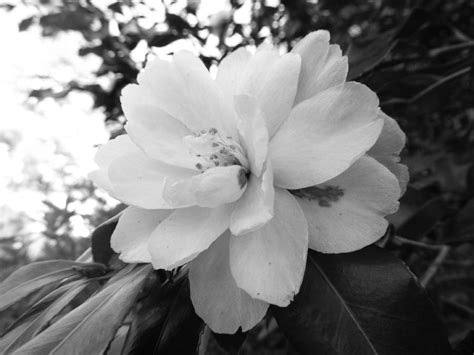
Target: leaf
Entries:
(463, 225)
(43, 303)
(34, 276)
(164, 322)
(36, 325)
(25, 24)
(424, 220)
(102, 252)
(365, 56)
(466, 346)
(7, 339)
(163, 39)
(365, 302)
(96, 320)
(231, 343)
(177, 22)
(116, 7)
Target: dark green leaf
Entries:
(42, 320)
(26, 23)
(163, 39)
(164, 321)
(10, 337)
(368, 54)
(7, 7)
(116, 7)
(462, 227)
(231, 342)
(466, 347)
(425, 218)
(89, 328)
(100, 241)
(365, 57)
(365, 302)
(34, 276)
(177, 22)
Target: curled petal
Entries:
(255, 208)
(214, 187)
(322, 65)
(253, 132)
(388, 147)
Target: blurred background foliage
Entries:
(417, 55)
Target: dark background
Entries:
(417, 55)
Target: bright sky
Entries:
(42, 138)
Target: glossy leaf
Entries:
(100, 241)
(36, 325)
(10, 337)
(463, 225)
(89, 328)
(367, 55)
(34, 276)
(365, 302)
(164, 321)
(231, 343)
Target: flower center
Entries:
(212, 149)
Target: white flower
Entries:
(240, 175)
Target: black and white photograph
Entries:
(237, 177)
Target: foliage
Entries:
(417, 56)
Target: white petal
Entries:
(324, 135)
(113, 149)
(229, 73)
(214, 187)
(274, 86)
(253, 132)
(101, 179)
(106, 154)
(205, 96)
(156, 132)
(184, 89)
(354, 216)
(322, 65)
(255, 208)
(138, 180)
(216, 298)
(388, 147)
(133, 230)
(186, 233)
(269, 263)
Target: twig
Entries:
(428, 89)
(437, 51)
(433, 268)
(443, 251)
(462, 308)
(400, 241)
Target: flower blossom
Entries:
(240, 175)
